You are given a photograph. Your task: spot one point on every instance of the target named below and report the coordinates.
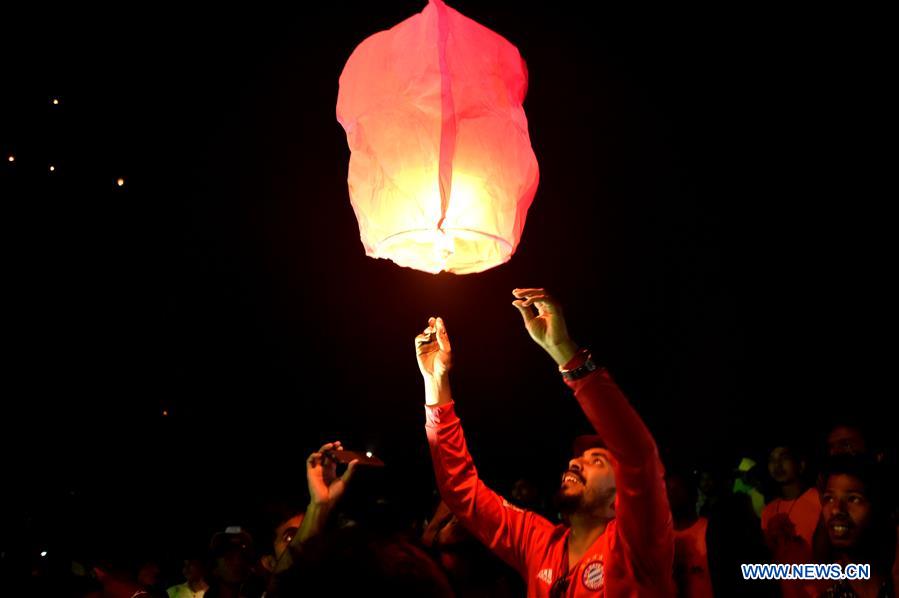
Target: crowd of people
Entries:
(620, 523)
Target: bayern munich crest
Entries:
(593, 576)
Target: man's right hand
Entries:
(434, 353)
(433, 349)
(325, 486)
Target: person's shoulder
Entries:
(175, 591)
(770, 508)
(812, 495)
(535, 519)
(808, 502)
(542, 529)
(699, 527)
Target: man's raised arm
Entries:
(642, 511)
(504, 528)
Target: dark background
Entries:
(707, 214)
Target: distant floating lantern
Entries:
(441, 171)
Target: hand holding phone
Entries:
(344, 457)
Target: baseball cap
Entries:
(586, 442)
(234, 537)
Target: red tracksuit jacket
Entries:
(634, 555)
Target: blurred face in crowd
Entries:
(524, 492)
(845, 440)
(846, 510)
(233, 566)
(284, 534)
(148, 574)
(680, 497)
(588, 484)
(783, 465)
(707, 483)
(193, 570)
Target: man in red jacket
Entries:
(619, 538)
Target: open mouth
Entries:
(571, 478)
(840, 528)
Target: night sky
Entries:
(707, 214)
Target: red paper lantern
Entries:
(441, 171)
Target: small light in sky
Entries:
(165, 413)
(56, 101)
(52, 168)
(120, 182)
(12, 158)
(368, 454)
(43, 553)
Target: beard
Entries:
(588, 502)
(565, 503)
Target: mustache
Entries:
(575, 474)
(840, 520)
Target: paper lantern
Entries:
(441, 171)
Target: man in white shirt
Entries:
(195, 585)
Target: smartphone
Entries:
(347, 456)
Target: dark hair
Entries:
(848, 421)
(860, 467)
(274, 515)
(871, 433)
(796, 451)
(344, 562)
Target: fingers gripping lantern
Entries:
(441, 171)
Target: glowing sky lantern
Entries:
(441, 171)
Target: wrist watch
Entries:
(586, 366)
